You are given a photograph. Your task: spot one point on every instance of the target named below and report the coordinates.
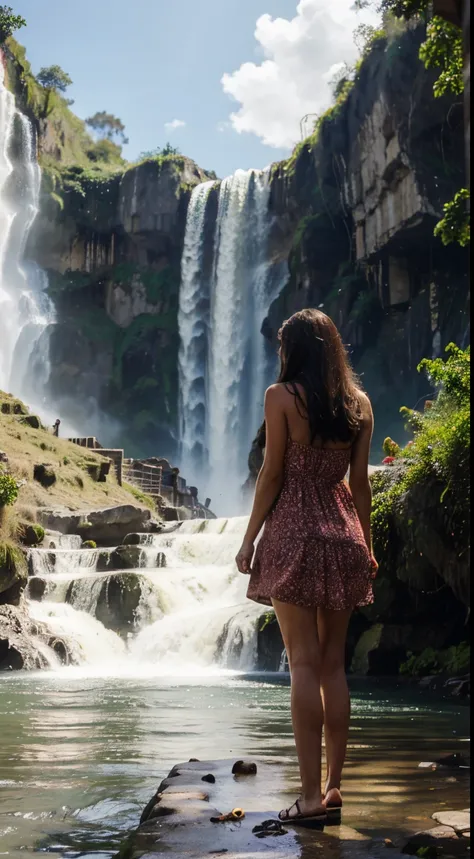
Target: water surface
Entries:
(80, 755)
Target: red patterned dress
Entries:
(312, 551)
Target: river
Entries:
(81, 753)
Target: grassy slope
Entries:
(74, 488)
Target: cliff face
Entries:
(112, 247)
(357, 207)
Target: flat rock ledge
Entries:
(451, 836)
(177, 821)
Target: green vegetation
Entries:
(89, 544)
(9, 22)
(12, 562)
(453, 660)
(54, 77)
(440, 452)
(160, 152)
(455, 226)
(142, 497)
(8, 489)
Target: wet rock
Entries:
(45, 474)
(455, 761)
(440, 838)
(244, 768)
(211, 779)
(118, 602)
(126, 558)
(36, 588)
(22, 642)
(132, 540)
(460, 821)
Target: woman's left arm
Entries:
(270, 478)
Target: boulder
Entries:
(118, 602)
(106, 527)
(44, 473)
(23, 642)
(32, 421)
(36, 588)
(125, 558)
(383, 647)
(30, 535)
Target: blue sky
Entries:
(152, 62)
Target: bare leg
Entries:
(332, 628)
(300, 634)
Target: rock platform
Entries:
(177, 820)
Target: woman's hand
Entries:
(244, 557)
(375, 567)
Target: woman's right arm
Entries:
(359, 471)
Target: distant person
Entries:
(314, 562)
(56, 426)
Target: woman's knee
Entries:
(305, 659)
(332, 662)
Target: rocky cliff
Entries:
(356, 206)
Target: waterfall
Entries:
(225, 364)
(186, 617)
(193, 324)
(25, 308)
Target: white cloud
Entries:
(174, 124)
(300, 58)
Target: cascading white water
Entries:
(193, 321)
(25, 309)
(232, 379)
(192, 615)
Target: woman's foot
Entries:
(333, 798)
(304, 808)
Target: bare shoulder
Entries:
(366, 409)
(277, 394)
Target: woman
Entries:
(314, 562)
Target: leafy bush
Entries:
(455, 226)
(453, 660)
(8, 489)
(440, 449)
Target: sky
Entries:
(226, 81)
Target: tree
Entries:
(54, 78)
(107, 126)
(9, 22)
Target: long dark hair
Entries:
(313, 357)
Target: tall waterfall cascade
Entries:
(191, 618)
(25, 309)
(225, 363)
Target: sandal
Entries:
(312, 821)
(268, 827)
(334, 812)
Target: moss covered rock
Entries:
(13, 573)
(30, 535)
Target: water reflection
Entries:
(79, 759)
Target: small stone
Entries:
(211, 779)
(244, 768)
(388, 842)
